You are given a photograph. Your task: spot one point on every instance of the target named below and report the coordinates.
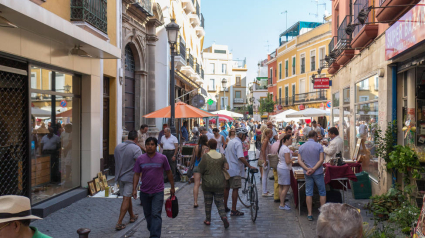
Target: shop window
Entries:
(335, 109)
(346, 96)
(365, 90)
(346, 132)
(55, 145)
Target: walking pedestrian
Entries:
(265, 151)
(204, 131)
(199, 150)
(184, 132)
(224, 132)
(283, 169)
(258, 149)
(232, 135)
(220, 140)
(142, 135)
(125, 155)
(16, 218)
(170, 147)
(213, 181)
(311, 159)
(236, 160)
(161, 133)
(149, 168)
(275, 135)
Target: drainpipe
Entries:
(394, 111)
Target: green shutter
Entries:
(280, 71)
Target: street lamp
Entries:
(172, 31)
(224, 86)
(67, 88)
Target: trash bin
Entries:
(362, 189)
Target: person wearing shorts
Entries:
(283, 169)
(311, 157)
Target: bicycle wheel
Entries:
(254, 202)
(243, 193)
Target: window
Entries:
(286, 68)
(237, 94)
(238, 80)
(33, 84)
(293, 90)
(335, 109)
(286, 95)
(60, 82)
(313, 60)
(293, 65)
(376, 83)
(223, 103)
(212, 85)
(224, 68)
(220, 51)
(363, 98)
(364, 85)
(211, 68)
(302, 86)
(271, 76)
(302, 64)
(280, 96)
(346, 95)
(321, 57)
(280, 70)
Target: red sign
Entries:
(301, 107)
(321, 83)
(279, 107)
(406, 32)
(32, 105)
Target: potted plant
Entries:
(405, 160)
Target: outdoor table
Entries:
(338, 176)
(296, 185)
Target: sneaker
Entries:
(267, 195)
(286, 207)
(310, 218)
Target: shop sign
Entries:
(406, 32)
(63, 103)
(328, 104)
(279, 107)
(321, 83)
(301, 107)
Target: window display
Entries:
(55, 145)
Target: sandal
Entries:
(134, 219)
(236, 213)
(226, 209)
(195, 206)
(119, 227)
(207, 222)
(225, 222)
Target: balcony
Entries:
(202, 73)
(343, 48)
(180, 57)
(197, 69)
(189, 68)
(92, 12)
(190, 60)
(202, 21)
(238, 100)
(310, 97)
(389, 11)
(363, 34)
(333, 67)
(188, 6)
(145, 6)
(270, 82)
(288, 101)
(194, 20)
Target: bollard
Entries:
(83, 232)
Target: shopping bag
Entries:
(172, 207)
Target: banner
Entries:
(321, 83)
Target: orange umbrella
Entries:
(182, 110)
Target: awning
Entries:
(309, 112)
(31, 17)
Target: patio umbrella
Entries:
(67, 113)
(309, 112)
(220, 119)
(37, 112)
(225, 117)
(182, 110)
(228, 113)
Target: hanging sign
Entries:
(63, 103)
(321, 83)
(328, 104)
(210, 102)
(301, 107)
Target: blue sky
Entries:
(246, 25)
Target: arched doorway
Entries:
(130, 90)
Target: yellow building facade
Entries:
(297, 60)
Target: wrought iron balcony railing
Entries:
(270, 81)
(202, 21)
(94, 12)
(311, 96)
(302, 68)
(238, 100)
(190, 59)
(331, 45)
(202, 73)
(198, 10)
(181, 48)
(145, 6)
(198, 69)
(343, 40)
(288, 101)
(358, 6)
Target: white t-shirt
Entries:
(363, 129)
(306, 130)
(210, 135)
(282, 162)
(234, 151)
(168, 144)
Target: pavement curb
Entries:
(132, 230)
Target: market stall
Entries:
(228, 113)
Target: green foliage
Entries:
(384, 142)
(382, 205)
(381, 231)
(266, 104)
(404, 216)
(405, 160)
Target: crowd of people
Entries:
(218, 163)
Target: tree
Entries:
(266, 104)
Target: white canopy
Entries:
(37, 112)
(309, 112)
(282, 116)
(228, 113)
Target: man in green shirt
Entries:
(15, 218)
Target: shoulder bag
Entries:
(273, 161)
(226, 174)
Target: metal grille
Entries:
(91, 11)
(129, 59)
(14, 161)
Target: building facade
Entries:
(220, 67)
(376, 77)
(297, 61)
(57, 76)
(259, 89)
(272, 74)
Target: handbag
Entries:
(226, 174)
(189, 172)
(260, 163)
(172, 207)
(273, 161)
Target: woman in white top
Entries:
(220, 140)
(283, 169)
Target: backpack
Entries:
(172, 207)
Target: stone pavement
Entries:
(101, 214)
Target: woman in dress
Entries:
(220, 140)
(265, 150)
(258, 147)
(283, 169)
(199, 150)
(213, 181)
(232, 135)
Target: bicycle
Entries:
(248, 194)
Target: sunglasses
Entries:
(1, 228)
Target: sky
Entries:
(251, 28)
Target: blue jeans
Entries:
(152, 208)
(319, 180)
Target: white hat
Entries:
(14, 208)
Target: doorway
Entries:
(130, 93)
(105, 141)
